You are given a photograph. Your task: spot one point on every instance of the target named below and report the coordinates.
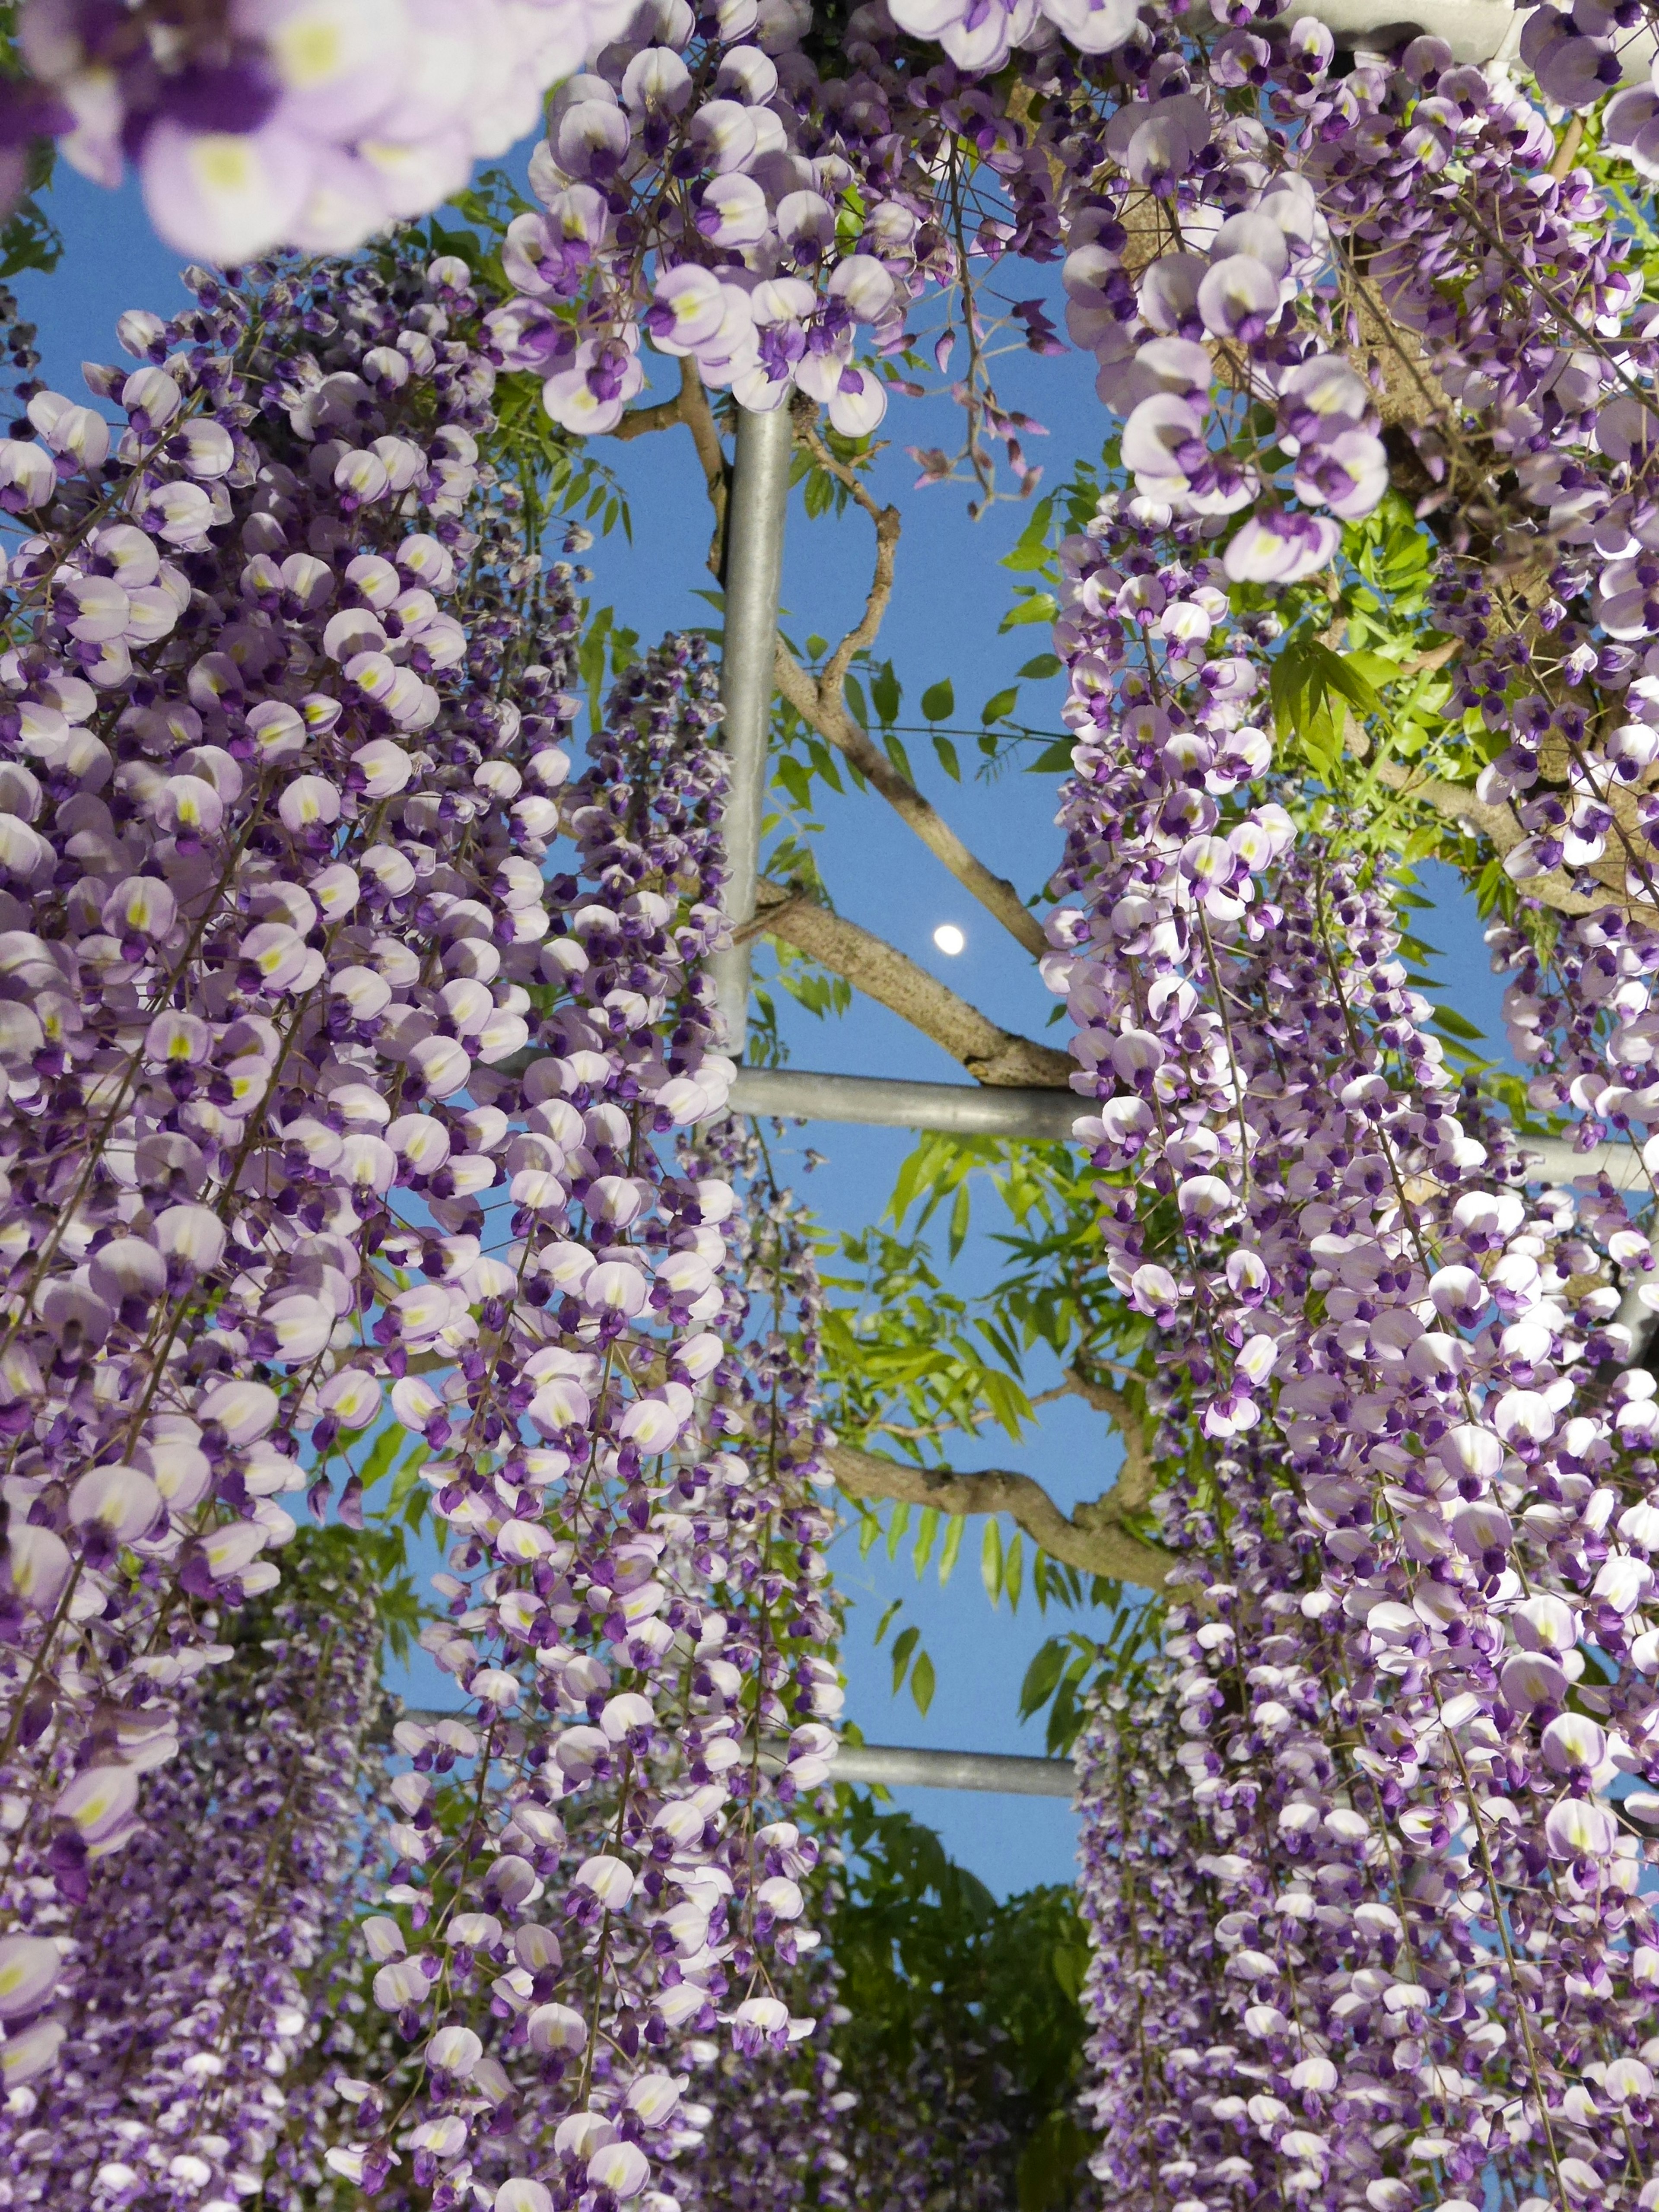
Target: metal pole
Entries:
(754, 571)
(963, 1109)
(898, 1766)
(1475, 30)
(997, 1771)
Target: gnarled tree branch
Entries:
(1456, 802)
(821, 701)
(1090, 1540)
(639, 421)
(882, 972)
(1138, 1477)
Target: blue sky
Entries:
(949, 598)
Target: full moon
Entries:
(949, 938)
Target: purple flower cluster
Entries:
(649, 1573)
(304, 122)
(1151, 1988)
(1413, 1628)
(763, 286)
(193, 1971)
(1267, 250)
(297, 875)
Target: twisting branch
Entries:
(821, 701)
(1138, 1478)
(639, 421)
(888, 523)
(826, 711)
(1456, 802)
(1090, 1540)
(991, 1054)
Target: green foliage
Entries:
(906, 1645)
(30, 240)
(940, 1979)
(607, 648)
(1068, 1666)
(372, 1559)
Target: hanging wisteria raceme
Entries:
(1414, 1498)
(315, 907)
(771, 2124)
(1247, 222)
(1250, 219)
(647, 1574)
(196, 1175)
(1152, 1986)
(192, 1967)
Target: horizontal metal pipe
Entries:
(899, 1767)
(967, 1110)
(1000, 1771)
(961, 1109)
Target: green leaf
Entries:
(905, 1644)
(921, 1681)
(948, 759)
(406, 1482)
(1040, 607)
(792, 774)
(990, 1560)
(1049, 2164)
(958, 1234)
(1045, 666)
(855, 699)
(1030, 549)
(385, 1449)
(1013, 1570)
(1070, 1966)
(938, 701)
(895, 1529)
(1008, 1403)
(1455, 1025)
(926, 1535)
(1041, 1676)
(886, 1620)
(999, 705)
(894, 751)
(886, 692)
(953, 1536)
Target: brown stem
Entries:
(991, 1054)
(1138, 1477)
(1089, 1539)
(824, 709)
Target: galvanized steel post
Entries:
(754, 570)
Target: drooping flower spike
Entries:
(341, 948)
